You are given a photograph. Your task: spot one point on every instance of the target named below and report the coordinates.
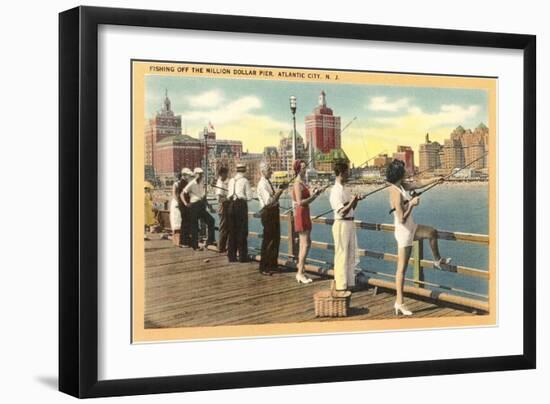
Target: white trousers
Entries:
(345, 253)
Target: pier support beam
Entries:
(418, 255)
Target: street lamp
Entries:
(205, 134)
(293, 110)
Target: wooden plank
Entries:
(182, 290)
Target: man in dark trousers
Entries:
(239, 193)
(197, 209)
(221, 193)
(269, 212)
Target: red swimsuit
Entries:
(302, 219)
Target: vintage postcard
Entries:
(273, 201)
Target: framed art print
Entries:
(250, 201)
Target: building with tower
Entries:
(271, 157)
(285, 150)
(429, 155)
(323, 128)
(163, 125)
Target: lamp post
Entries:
(205, 134)
(293, 110)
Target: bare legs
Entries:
(427, 232)
(403, 255)
(305, 244)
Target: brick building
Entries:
(405, 154)
(164, 124)
(382, 161)
(323, 127)
(173, 153)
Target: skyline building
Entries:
(285, 150)
(164, 124)
(461, 148)
(405, 154)
(323, 128)
(429, 155)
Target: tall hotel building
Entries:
(463, 147)
(323, 128)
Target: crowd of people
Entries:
(189, 206)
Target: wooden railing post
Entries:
(292, 250)
(418, 251)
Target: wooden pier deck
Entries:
(186, 288)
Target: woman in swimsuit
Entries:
(302, 198)
(406, 230)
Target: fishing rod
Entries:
(319, 192)
(438, 182)
(361, 198)
(372, 192)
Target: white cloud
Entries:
(385, 105)
(211, 98)
(234, 111)
(448, 114)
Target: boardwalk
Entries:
(184, 288)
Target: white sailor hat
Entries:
(186, 171)
(240, 166)
(198, 170)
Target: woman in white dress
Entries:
(175, 214)
(406, 230)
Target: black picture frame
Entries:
(78, 200)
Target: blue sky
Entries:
(256, 111)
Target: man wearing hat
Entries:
(185, 232)
(196, 194)
(269, 209)
(239, 193)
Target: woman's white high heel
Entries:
(301, 278)
(403, 309)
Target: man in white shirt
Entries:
(239, 193)
(221, 193)
(269, 213)
(195, 199)
(343, 229)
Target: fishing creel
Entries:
(332, 303)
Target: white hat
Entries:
(186, 171)
(241, 166)
(198, 170)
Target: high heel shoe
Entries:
(301, 278)
(403, 309)
(440, 261)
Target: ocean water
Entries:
(451, 207)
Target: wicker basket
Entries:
(332, 303)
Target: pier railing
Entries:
(418, 285)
